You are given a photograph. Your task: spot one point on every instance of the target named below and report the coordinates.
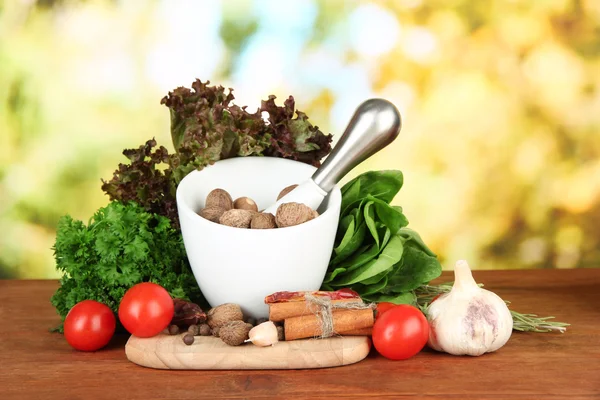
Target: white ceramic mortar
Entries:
(242, 266)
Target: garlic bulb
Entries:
(264, 334)
(468, 320)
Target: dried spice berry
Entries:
(193, 330)
(188, 339)
(205, 330)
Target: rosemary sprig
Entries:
(521, 322)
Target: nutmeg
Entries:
(286, 190)
(291, 214)
(220, 315)
(245, 203)
(234, 333)
(219, 198)
(237, 218)
(212, 213)
(263, 221)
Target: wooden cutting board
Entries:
(207, 352)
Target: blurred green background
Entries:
(501, 103)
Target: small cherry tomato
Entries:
(383, 307)
(400, 332)
(89, 325)
(146, 309)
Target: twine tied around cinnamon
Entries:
(323, 308)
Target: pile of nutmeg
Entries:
(243, 212)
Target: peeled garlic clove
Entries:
(264, 334)
(468, 320)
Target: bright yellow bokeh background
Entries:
(500, 145)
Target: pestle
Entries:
(374, 125)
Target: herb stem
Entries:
(521, 322)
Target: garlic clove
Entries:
(264, 334)
(468, 320)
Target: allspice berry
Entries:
(291, 214)
(236, 218)
(193, 330)
(212, 213)
(234, 333)
(188, 339)
(219, 198)
(263, 221)
(205, 330)
(245, 203)
(215, 331)
(220, 315)
(286, 190)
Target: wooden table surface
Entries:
(36, 364)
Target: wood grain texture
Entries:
(36, 364)
(207, 352)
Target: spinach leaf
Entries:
(331, 275)
(388, 215)
(350, 194)
(402, 298)
(353, 244)
(367, 253)
(417, 268)
(361, 258)
(347, 236)
(415, 238)
(391, 254)
(383, 185)
(366, 290)
(369, 214)
(343, 226)
(377, 278)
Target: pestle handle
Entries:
(374, 125)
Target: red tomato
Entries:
(89, 325)
(146, 309)
(401, 332)
(383, 307)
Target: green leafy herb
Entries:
(121, 245)
(375, 253)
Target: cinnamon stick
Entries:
(306, 326)
(358, 332)
(281, 311)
